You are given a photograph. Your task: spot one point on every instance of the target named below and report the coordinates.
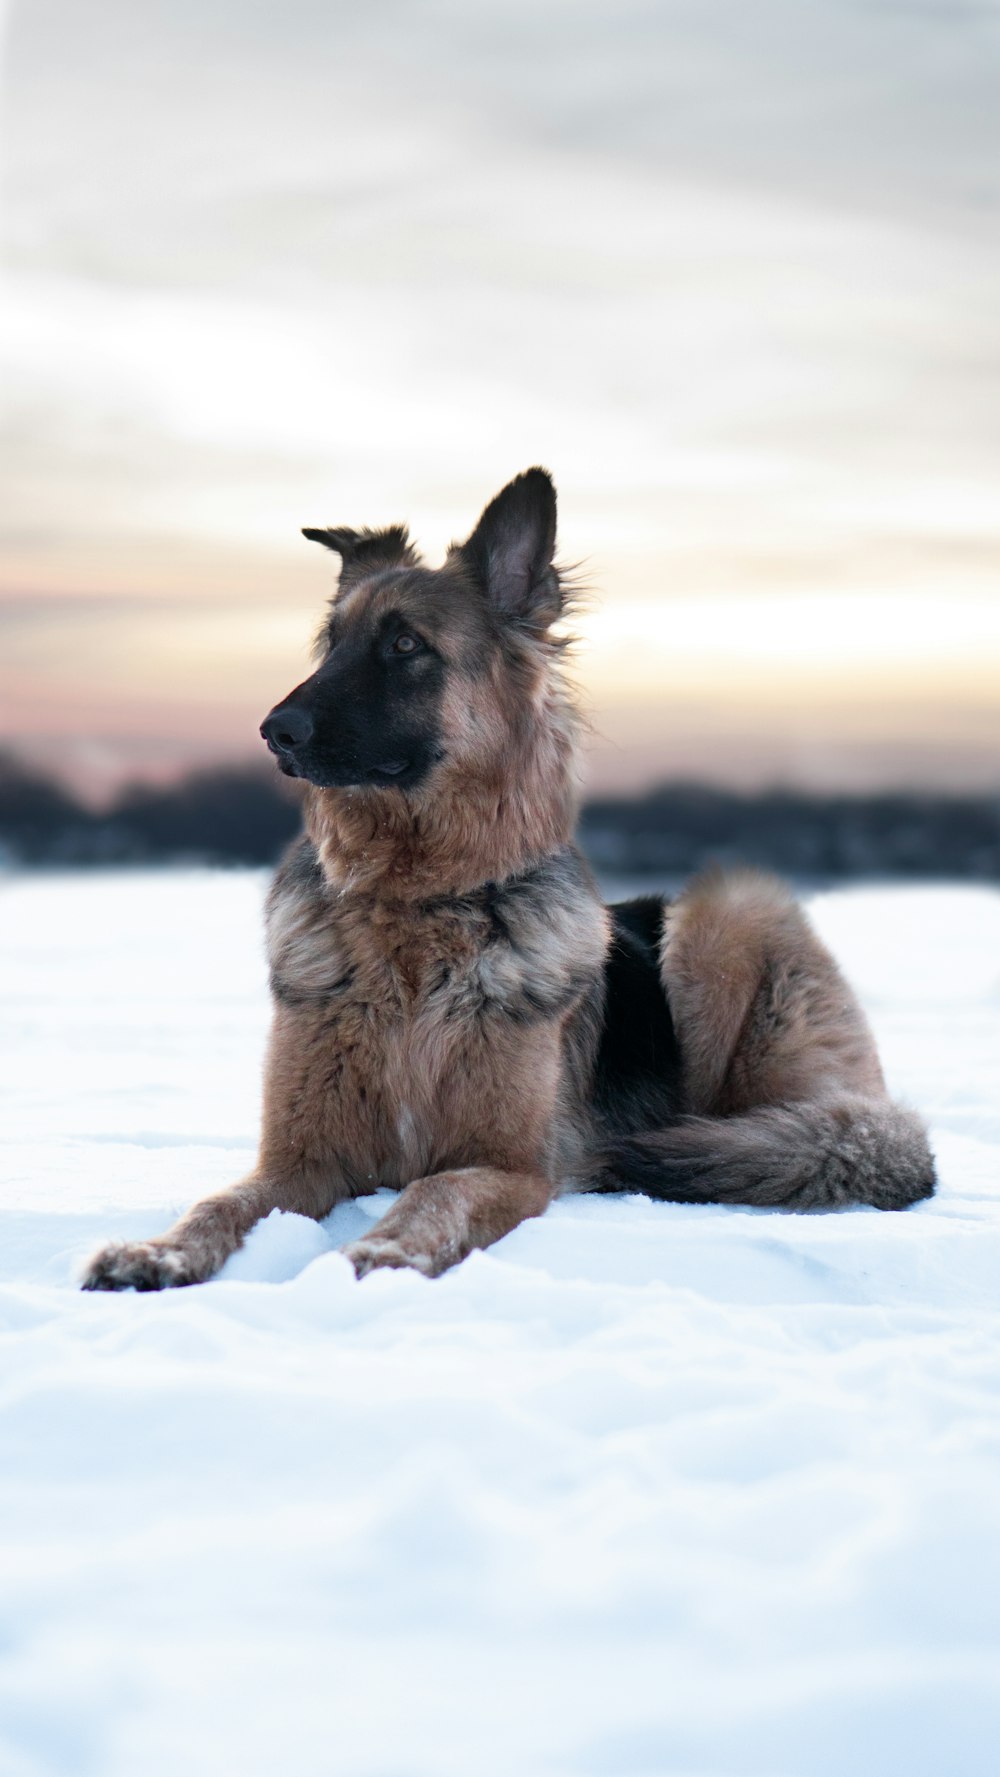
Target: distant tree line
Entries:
(246, 815)
(682, 827)
(227, 815)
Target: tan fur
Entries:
(385, 1082)
(763, 1014)
(438, 1221)
(392, 1053)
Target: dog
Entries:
(457, 1015)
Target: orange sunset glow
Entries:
(732, 274)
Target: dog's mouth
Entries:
(389, 771)
(282, 760)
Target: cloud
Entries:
(732, 271)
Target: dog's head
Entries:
(422, 665)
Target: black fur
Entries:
(369, 714)
(638, 1075)
(365, 551)
(509, 554)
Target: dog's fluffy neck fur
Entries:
(470, 826)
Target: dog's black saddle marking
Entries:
(638, 1079)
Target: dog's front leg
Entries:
(439, 1220)
(297, 1170)
(197, 1246)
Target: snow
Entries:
(644, 1490)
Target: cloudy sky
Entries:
(732, 271)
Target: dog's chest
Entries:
(400, 1014)
(393, 966)
(386, 1014)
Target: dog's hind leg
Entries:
(785, 1099)
(762, 1012)
(439, 1220)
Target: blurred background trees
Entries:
(246, 814)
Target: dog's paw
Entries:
(378, 1251)
(137, 1265)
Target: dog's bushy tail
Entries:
(798, 1156)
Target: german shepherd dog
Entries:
(456, 1013)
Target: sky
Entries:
(732, 272)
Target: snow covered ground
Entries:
(645, 1490)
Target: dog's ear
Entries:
(364, 552)
(510, 551)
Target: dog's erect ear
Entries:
(510, 551)
(364, 552)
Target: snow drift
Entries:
(645, 1489)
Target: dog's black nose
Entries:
(285, 729)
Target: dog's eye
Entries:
(405, 643)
